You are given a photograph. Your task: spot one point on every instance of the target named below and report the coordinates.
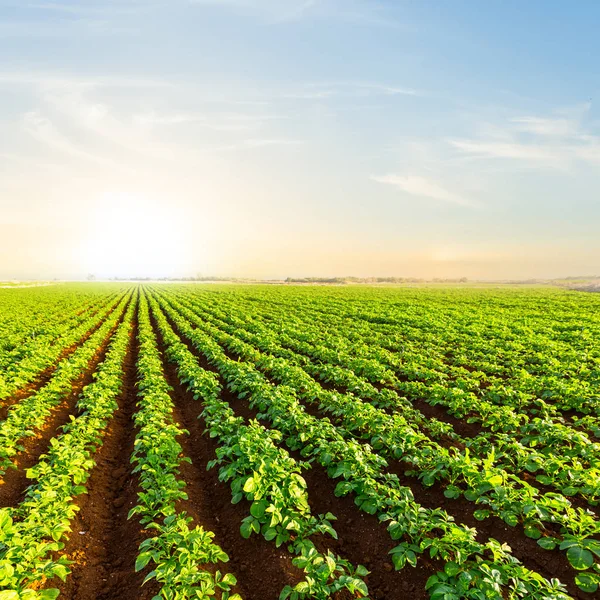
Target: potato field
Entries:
(257, 442)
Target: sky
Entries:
(276, 138)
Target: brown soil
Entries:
(14, 482)
(551, 564)
(362, 539)
(44, 376)
(104, 543)
(461, 426)
(209, 505)
(548, 563)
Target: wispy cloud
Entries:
(558, 142)
(546, 126)
(352, 89)
(424, 187)
(514, 150)
(297, 11)
(89, 8)
(65, 80)
(216, 121)
(257, 143)
(45, 132)
(100, 120)
(277, 12)
(26, 28)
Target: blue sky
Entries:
(299, 137)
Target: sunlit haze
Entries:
(275, 138)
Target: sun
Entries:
(131, 235)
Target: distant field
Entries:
(382, 442)
(22, 284)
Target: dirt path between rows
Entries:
(14, 482)
(362, 539)
(551, 564)
(104, 543)
(46, 375)
(261, 568)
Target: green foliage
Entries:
(31, 535)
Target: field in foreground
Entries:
(265, 442)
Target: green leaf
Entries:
(246, 529)
(9, 595)
(5, 519)
(510, 518)
(532, 532)
(60, 571)
(257, 509)
(285, 592)
(580, 558)
(452, 492)
(547, 543)
(361, 587)
(142, 560)
(362, 571)
(495, 481)
(49, 594)
(229, 579)
(587, 583)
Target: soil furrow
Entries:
(209, 504)
(362, 539)
(46, 375)
(549, 563)
(14, 483)
(104, 543)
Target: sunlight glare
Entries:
(132, 236)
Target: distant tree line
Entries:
(322, 280)
(342, 280)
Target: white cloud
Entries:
(90, 8)
(352, 89)
(259, 143)
(56, 80)
(421, 186)
(358, 12)
(44, 131)
(217, 121)
(275, 11)
(60, 28)
(545, 126)
(514, 150)
(99, 119)
(256, 143)
(556, 142)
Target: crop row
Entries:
(33, 533)
(549, 517)
(573, 471)
(473, 569)
(269, 479)
(45, 350)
